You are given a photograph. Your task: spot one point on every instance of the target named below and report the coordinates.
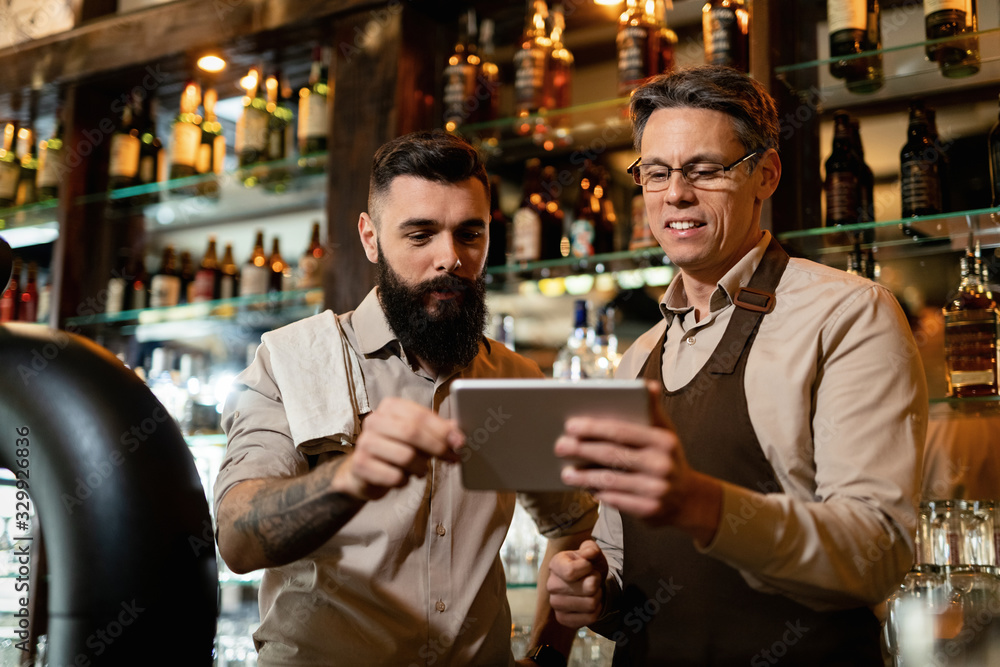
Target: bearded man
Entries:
(341, 480)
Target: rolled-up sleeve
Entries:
(560, 514)
(259, 440)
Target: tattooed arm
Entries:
(272, 522)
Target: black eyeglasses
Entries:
(656, 177)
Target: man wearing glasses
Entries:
(770, 504)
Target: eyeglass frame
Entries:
(633, 170)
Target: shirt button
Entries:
(690, 340)
(236, 415)
(439, 605)
(440, 530)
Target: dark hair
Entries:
(432, 155)
(755, 117)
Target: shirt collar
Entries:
(674, 300)
(372, 328)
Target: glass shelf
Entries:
(594, 127)
(929, 234)
(907, 73)
(205, 318)
(567, 266)
(31, 224)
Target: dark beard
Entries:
(445, 340)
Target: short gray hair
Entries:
(745, 100)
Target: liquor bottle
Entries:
(229, 274)
(970, 338)
(165, 286)
(207, 277)
(667, 39)
(552, 216)
(527, 222)
(605, 357)
(50, 162)
(866, 183)
(255, 277)
(487, 78)
(11, 297)
(279, 132)
(28, 309)
(26, 192)
(725, 26)
(583, 224)
(151, 154)
(137, 294)
(118, 283)
(605, 238)
(496, 255)
(313, 103)
(841, 185)
(559, 75)
(531, 61)
(10, 167)
(944, 163)
(187, 273)
(211, 146)
(994, 148)
(952, 18)
(281, 271)
(186, 134)
(254, 121)
(311, 262)
(574, 359)
(637, 45)
(123, 162)
(460, 74)
(855, 27)
(919, 162)
(642, 235)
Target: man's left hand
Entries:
(641, 470)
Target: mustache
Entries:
(446, 282)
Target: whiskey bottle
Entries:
(667, 39)
(50, 162)
(311, 262)
(855, 27)
(165, 286)
(866, 183)
(228, 274)
(531, 62)
(527, 223)
(255, 277)
(151, 154)
(919, 165)
(559, 76)
(970, 338)
(584, 221)
(841, 184)
(313, 103)
(460, 75)
(26, 192)
(10, 166)
(642, 235)
(280, 270)
(725, 27)
(123, 162)
(254, 122)
(207, 278)
(211, 147)
(636, 43)
(186, 134)
(953, 18)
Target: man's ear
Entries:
(770, 173)
(369, 237)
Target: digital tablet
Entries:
(511, 426)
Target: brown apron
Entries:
(679, 607)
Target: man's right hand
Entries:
(397, 440)
(576, 585)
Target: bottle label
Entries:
(124, 156)
(254, 279)
(581, 237)
(309, 272)
(164, 291)
(847, 15)
(921, 187)
(529, 78)
(187, 139)
(116, 296)
(10, 173)
(527, 235)
(932, 6)
(227, 286)
(459, 91)
(842, 199)
(315, 117)
(203, 163)
(633, 62)
(204, 285)
(147, 169)
(719, 26)
(49, 166)
(254, 129)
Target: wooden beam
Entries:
(114, 42)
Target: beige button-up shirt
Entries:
(837, 399)
(414, 578)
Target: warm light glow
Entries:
(609, 3)
(249, 82)
(211, 63)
